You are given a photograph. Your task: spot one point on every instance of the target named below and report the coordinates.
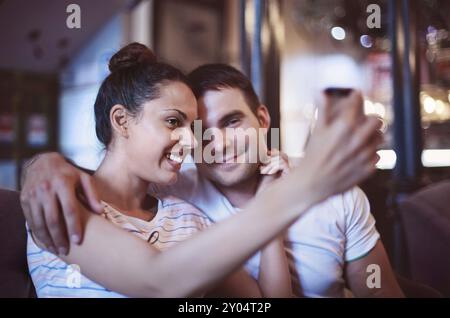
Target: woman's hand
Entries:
(340, 154)
(277, 166)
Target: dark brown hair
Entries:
(218, 76)
(135, 78)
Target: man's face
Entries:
(222, 110)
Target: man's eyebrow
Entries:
(178, 111)
(232, 114)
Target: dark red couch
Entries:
(14, 279)
(426, 223)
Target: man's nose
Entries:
(221, 142)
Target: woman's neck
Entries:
(120, 187)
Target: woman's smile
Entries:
(175, 160)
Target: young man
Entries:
(330, 247)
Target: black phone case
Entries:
(338, 92)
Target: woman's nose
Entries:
(187, 139)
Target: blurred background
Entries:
(396, 52)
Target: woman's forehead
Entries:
(175, 96)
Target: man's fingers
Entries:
(26, 209)
(90, 191)
(40, 230)
(72, 214)
(53, 219)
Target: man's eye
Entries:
(232, 122)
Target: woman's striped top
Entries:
(175, 221)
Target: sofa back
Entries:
(426, 223)
(15, 282)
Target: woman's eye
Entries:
(173, 122)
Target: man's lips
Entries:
(230, 160)
(234, 159)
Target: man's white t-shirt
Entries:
(338, 230)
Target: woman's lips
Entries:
(176, 158)
(174, 161)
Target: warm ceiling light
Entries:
(429, 104)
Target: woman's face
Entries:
(160, 136)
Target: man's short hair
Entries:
(219, 76)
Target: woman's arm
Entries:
(125, 263)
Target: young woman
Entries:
(139, 106)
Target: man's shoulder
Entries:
(345, 205)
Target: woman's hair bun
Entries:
(131, 55)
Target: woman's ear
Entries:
(262, 113)
(119, 118)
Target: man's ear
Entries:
(262, 113)
(119, 118)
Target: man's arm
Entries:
(362, 276)
(237, 285)
(274, 275)
(51, 191)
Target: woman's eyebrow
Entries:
(178, 111)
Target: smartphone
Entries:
(335, 96)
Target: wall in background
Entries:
(80, 82)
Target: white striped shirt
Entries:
(175, 221)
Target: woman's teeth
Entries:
(175, 158)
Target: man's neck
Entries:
(240, 194)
